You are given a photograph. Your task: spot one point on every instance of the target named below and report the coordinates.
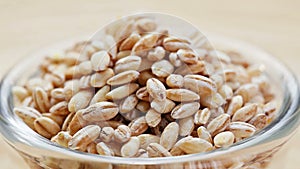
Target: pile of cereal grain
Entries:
(141, 92)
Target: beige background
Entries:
(26, 26)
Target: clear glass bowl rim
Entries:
(28, 138)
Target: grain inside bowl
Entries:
(142, 92)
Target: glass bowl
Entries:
(254, 152)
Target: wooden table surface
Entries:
(26, 26)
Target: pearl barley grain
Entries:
(140, 92)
